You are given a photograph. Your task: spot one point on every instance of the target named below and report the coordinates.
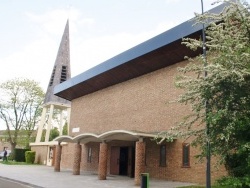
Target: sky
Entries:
(31, 31)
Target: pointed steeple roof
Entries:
(61, 70)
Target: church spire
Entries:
(61, 70)
(60, 73)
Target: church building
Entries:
(119, 106)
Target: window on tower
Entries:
(63, 74)
(52, 76)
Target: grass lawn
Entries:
(198, 186)
(15, 163)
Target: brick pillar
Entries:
(139, 161)
(103, 159)
(77, 159)
(58, 158)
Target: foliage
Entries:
(235, 182)
(20, 154)
(30, 156)
(65, 129)
(197, 186)
(11, 157)
(15, 163)
(192, 186)
(220, 101)
(53, 133)
(238, 164)
(20, 107)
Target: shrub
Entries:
(235, 182)
(237, 164)
(11, 157)
(19, 154)
(30, 156)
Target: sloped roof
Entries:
(158, 52)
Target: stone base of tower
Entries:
(45, 152)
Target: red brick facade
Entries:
(139, 161)
(119, 106)
(144, 104)
(77, 159)
(41, 154)
(103, 158)
(58, 158)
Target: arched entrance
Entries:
(122, 160)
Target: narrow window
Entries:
(163, 155)
(98, 157)
(89, 155)
(186, 155)
(63, 74)
(52, 76)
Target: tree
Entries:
(53, 133)
(220, 100)
(20, 106)
(65, 129)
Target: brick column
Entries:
(58, 158)
(139, 161)
(103, 158)
(77, 159)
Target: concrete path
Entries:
(40, 176)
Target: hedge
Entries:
(20, 154)
(30, 156)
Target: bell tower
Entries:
(60, 73)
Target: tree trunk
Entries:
(13, 146)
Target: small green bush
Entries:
(11, 157)
(235, 182)
(30, 156)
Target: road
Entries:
(5, 183)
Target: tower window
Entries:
(52, 76)
(63, 74)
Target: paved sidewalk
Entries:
(39, 176)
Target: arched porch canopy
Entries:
(63, 138)
(106, 136)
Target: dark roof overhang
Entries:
(156, 53)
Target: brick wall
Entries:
(143, 104)
(4, 145)
(174, 171)
(92, 165)
(67, 156)
(41, 153)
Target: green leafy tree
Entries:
(65, 129)
(53, 133)
(220, 100)
(20, 107)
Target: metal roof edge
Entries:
(178, 32)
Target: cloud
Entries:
(172, 1)
(86, 53)
(32, 62)
(50, 22)
(35, 60)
